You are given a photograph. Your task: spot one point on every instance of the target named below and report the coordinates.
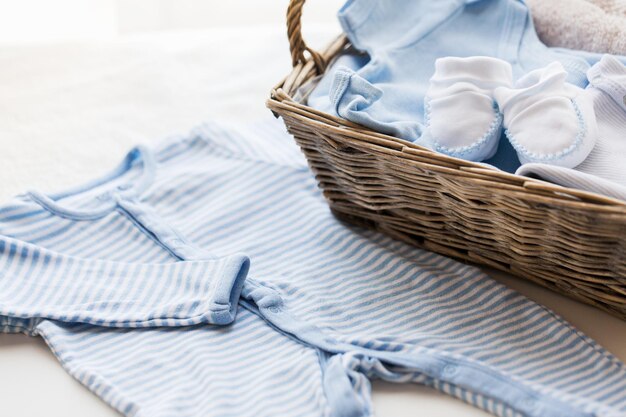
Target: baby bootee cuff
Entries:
(462, 118)
(548, 120)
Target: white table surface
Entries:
(69, 112)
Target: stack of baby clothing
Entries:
(471, 79)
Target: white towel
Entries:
(590, 25)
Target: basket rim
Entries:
(282, 103)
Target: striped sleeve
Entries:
(38, 283)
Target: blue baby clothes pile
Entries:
(389, 85)
(403, 40)
(133, 279)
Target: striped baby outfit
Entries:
(137, 283)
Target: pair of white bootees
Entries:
(546, 119)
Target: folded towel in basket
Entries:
(592, 25)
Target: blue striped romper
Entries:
(207, 277)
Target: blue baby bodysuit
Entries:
(325, 307)
(404, 38)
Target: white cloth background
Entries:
(70, 110)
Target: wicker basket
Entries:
(568, 240)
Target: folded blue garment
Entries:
(325, 308)
(403, 40)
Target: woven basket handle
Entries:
(297, 46)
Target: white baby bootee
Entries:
(548, 120)
(462, 118)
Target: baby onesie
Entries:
(139, 316)
(325, 308)
(603, 170)
(403, 40)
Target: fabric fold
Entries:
(603, 170)
(600, 25)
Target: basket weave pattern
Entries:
(568, 240)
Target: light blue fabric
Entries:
(117, 294)
(325, 308)
(404, 38)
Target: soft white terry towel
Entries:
(590, 25)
